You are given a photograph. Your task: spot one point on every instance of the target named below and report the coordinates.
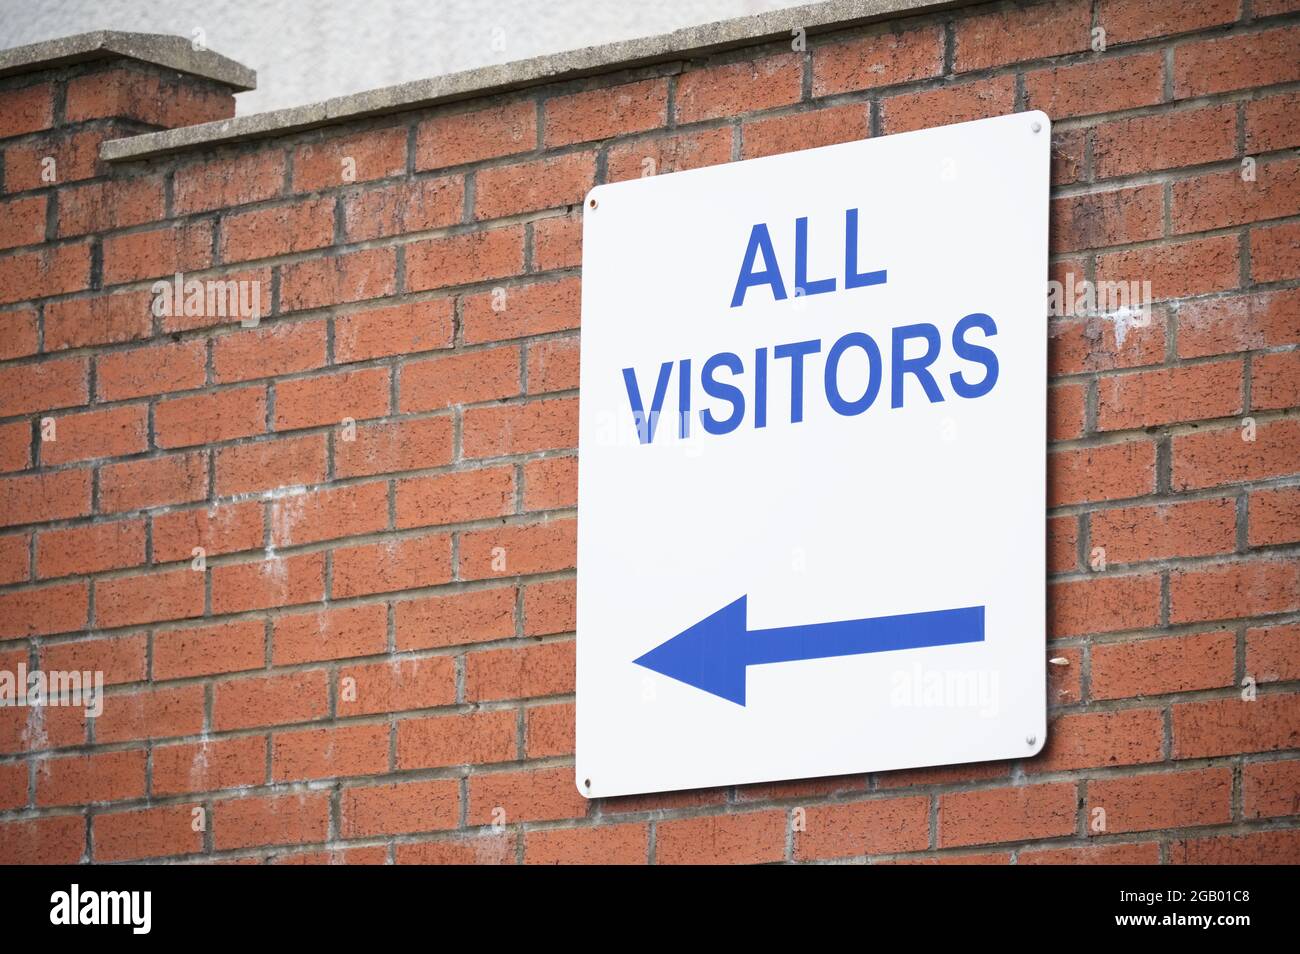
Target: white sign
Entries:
(812, 463)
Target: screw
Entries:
(587, 783)
(592, 203)
(1031, 739)
(1037, 126)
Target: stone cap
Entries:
(173, 52)
(507, 77)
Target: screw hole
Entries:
(587, 783)
(592, 203)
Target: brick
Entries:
(881, 826)
(1065, 411)
(745, 838)
(1234, 590)
(1176, 269)
(605, 845)
(550, 608)
(1273, 653)
(1271, 789)
(805, 130)
(1223, 199)
(1101, 740)
(44, 386)
(1225, 455)
(605, 113)
(18, 333)
(120, 658)
(1195, 528)
(1238, 323)
(1068, 150)
(40, 497)
(1274, 516)
(158, 252)
(89, 779)
(60, 839)
(337, 632)
(331, 398)
(949, 104)
(551, 483)
(457, 138)
(291, 819)
(399, 685)
(279, 230)
(90, 549)
(164, 831)
(1062, 544)
(1104, 472)
(75, 157)
(1102, 604)
(153, 482)
(148, 598)
(537, 795)
(154, 369)
(229, 181)
(394, 330)
(881, 59)
(270, 582)
(487, 849)
(210, 418)
(521, 311)
(464, 259)
(740, 87)
(557, 240)
(402, 808)
(374, 154)
(468, 378)
(270, 465)
(266, 352)
(1186, 137)
(1126, 21)
(208, 766)
(458, 618)
(1164, 800)
(527, 672)
(1098, 219)
(393, 446)
(1237, 62)
(397, 564)
(22, 221)
(531, 186)
(160, 98)
(518, 550)
(338, 279)
(52, 270)
(104, 206)
(13, 787)
(329, 514)
(1275, 381)
(553, 365)
(1256, 848)
(1272, 122)
(1021, 813)
(217, 528)
(1156, 666)
(474, 738)
(251, 701)
(151, 714)
(56, 728)
(1096, 86)
(1148, 398)
(27, 109)
(412, 206)
(632, 160)
(1274, 252)
(549, 730)
(206, 650)
(221, 301)
(14, 559)
(1142, 853)
(456, 497)
(336, 752)
(506, 429)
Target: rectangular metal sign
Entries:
(812, 463)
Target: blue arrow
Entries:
(714, 653)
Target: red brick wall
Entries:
(351, 675)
